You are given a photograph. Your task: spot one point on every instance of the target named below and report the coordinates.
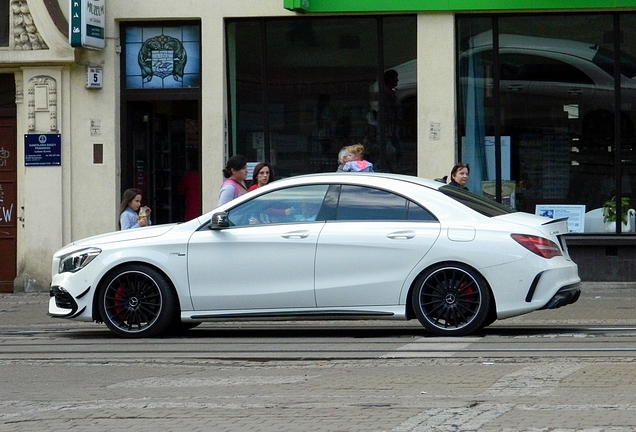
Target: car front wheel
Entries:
(137, 301)
(451, 300)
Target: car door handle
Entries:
(296, 234)
(401, 235)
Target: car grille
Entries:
(63, 299)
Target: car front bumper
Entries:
(72, 294)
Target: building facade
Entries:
(537, 97)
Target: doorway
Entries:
(161, 157)
(8, 199)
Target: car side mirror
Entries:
(219, 221)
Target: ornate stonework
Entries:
(19, 93)
(50, 105)
(25, 33)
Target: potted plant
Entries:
(610, 216)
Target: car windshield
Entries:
(482, 205)
(604, 59)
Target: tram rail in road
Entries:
(345, 342)
(601, 323)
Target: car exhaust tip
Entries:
(563, 298)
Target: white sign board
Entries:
(573, 212)
(86, 24)
(94, 76)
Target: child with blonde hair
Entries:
(356, 162)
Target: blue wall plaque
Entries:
(42, 149)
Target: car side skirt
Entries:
(389, 313)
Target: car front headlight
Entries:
(75, 261)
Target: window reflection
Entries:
(291, 205)
(363, 203)
(313, 89)
(549, 91)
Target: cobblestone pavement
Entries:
(532, 394)
(414, 395)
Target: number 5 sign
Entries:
(94, 77)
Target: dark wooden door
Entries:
(8, 202)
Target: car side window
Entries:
(364, 203)
(526, 67)
(289, 205)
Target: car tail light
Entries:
(541, 246)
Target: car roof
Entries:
(335, 177)
(483, 41)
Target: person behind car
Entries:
(356, 162)
(459, 175)
(263, 174)
(343, 157)
(235, 172)
(130, 215)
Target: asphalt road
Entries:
(570, 369)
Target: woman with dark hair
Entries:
(235, 172)
(132, 215)
(459, 175)
(263, 174)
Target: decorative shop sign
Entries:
(343, 6)
(86, 24)
(42, 149)
(162, 57)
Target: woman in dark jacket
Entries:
(459, 175)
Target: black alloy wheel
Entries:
(451, 300)
(137, 301)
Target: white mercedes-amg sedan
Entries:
(326, 246)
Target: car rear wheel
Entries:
(451, 300)
(137, 301)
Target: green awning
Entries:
(386, 6)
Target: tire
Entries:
(451, 300)
(137, 301)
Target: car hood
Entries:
(549, 227)
(119, 236)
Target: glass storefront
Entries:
(300, 89)
(160, 113)
(538, 101)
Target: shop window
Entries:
(161, 57)
(300, 89)
(4, 23)
(523, 67)
(7, 91)
(546, 102)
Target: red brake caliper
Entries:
(119, 301)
